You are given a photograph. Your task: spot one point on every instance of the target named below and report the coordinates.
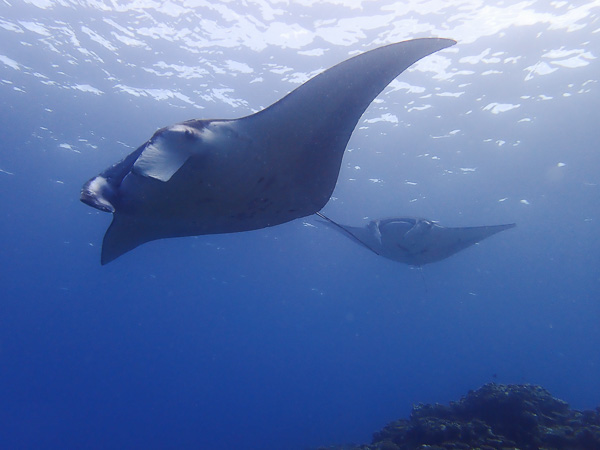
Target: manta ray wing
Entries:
(443, 242)
(359, 235)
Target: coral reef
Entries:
(496, 416)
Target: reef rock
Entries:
(496, 416)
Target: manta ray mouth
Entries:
(93, 194)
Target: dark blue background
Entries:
(291, 336)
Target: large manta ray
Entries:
(415, 242)
(224, 176)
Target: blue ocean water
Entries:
(292, 337)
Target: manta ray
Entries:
(413, 241)
(224, 176)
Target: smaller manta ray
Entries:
(415, 241)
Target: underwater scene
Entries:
(299, 224)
